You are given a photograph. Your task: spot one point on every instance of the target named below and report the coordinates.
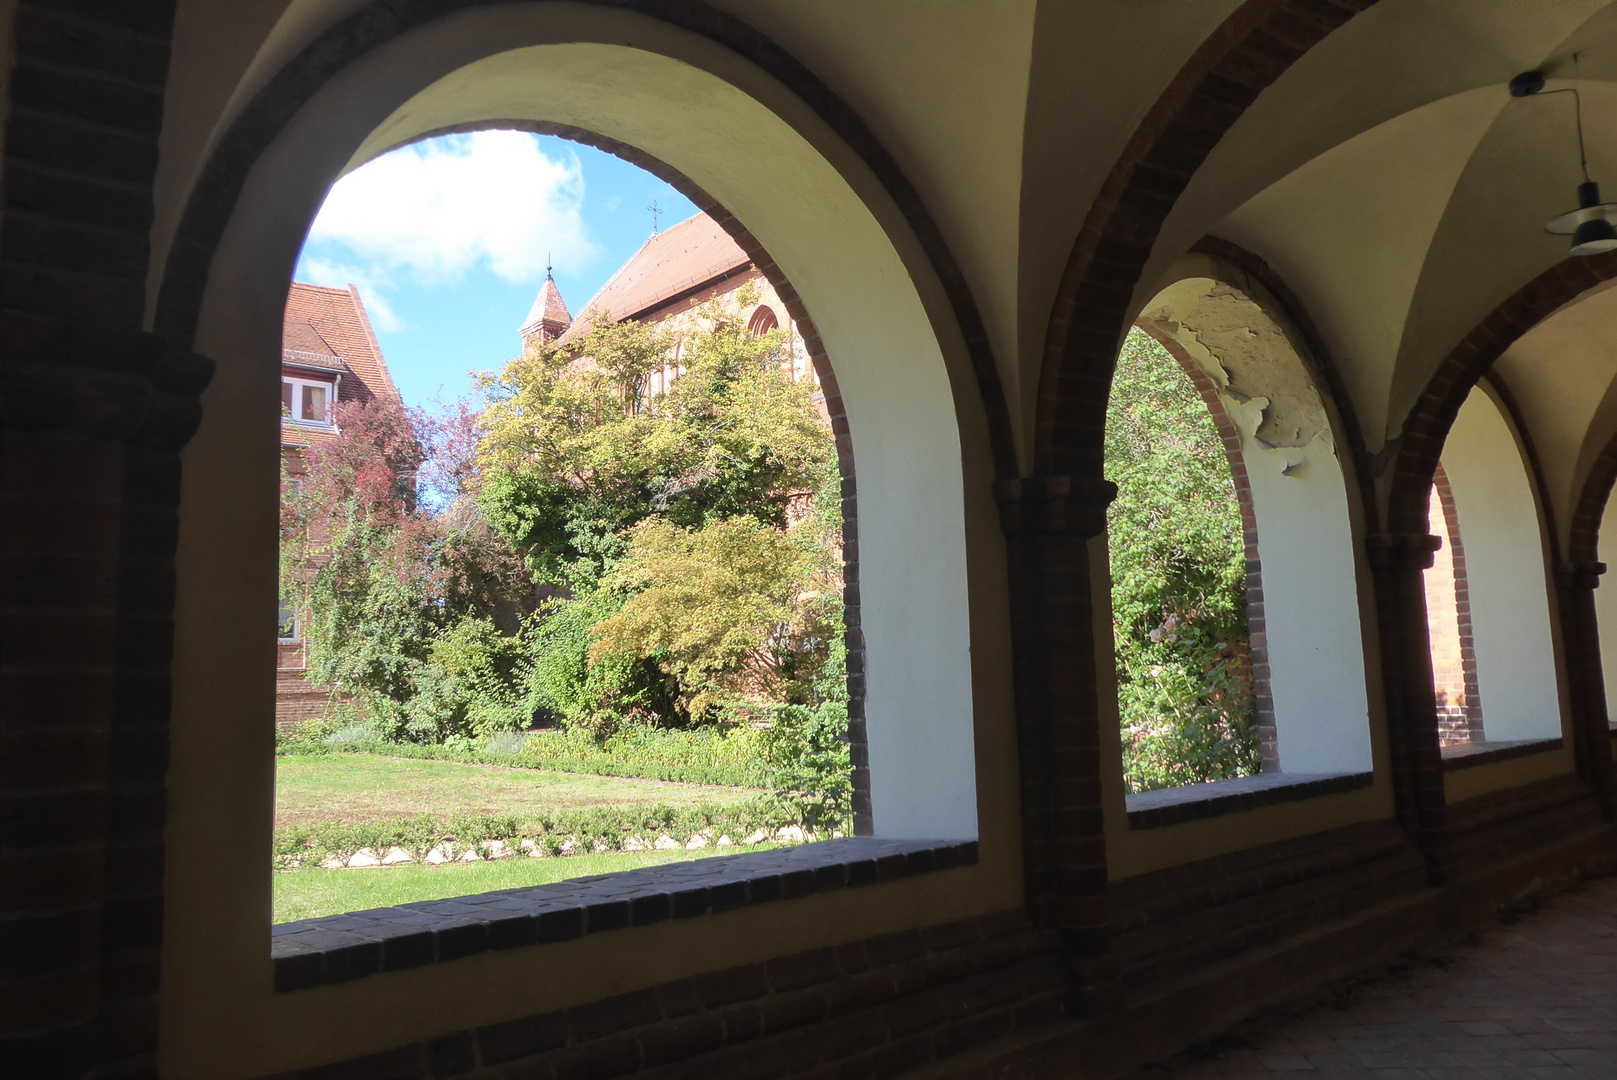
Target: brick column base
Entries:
(1048, 523)
(1591, 730)
(1399, 561)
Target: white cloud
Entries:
(438, 208)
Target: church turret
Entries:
(548, 319)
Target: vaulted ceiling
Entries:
(1387, 177)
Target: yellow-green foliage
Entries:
(725, 606)
(577, 449)
(664, 517)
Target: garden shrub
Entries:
(600, 828)
(472, 685)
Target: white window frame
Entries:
(295, 622)
(297, 385)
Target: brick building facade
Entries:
(671, 276)
(329, 356)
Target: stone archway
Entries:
(853, 260)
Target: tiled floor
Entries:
(1536, 998)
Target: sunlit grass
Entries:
(366, 787)
(308, 894)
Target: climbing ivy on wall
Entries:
(1178, 581)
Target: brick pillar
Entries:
(1048, 523)
(1591, 730)
(76, 383)
(1398, 562)
(70, 401)
(132, 924)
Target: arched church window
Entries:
(763, 321)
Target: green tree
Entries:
(1178, 580)
(662, 516)
(729, 608)
(577, 450)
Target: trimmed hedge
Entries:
(733, 758)
(592, 830)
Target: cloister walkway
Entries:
(1534, 998)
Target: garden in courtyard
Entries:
(588, 629)
(582, 627)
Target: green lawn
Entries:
(365, 787)
(308, 894)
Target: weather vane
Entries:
(547, 265)
(655, 210)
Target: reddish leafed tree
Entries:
(411, 603)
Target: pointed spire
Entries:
(549, 318)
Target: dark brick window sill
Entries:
(1470, 755)
(337, 948)
(1154, 809)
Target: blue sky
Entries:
(447, 241)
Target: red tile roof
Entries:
(324, 324)
(683, 259)
(327, 329)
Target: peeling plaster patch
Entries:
(1300, 507)
(1259, 362)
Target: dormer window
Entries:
(306, 401)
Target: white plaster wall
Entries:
(1505, 574)
(1310, 600)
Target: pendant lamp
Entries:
(1590, 225)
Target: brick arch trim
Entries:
(1463, 724)
(859, 746)
(1252, 49)
(225, 172)
(1439, 402)
(1230, 436)
(1583, 540)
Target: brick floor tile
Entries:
(1285, 1062)
(1374, 1060)
(1536, 999)
(1584, 1056)
(1559, 1040)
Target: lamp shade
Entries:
(1590, 224)
(1594, 237)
